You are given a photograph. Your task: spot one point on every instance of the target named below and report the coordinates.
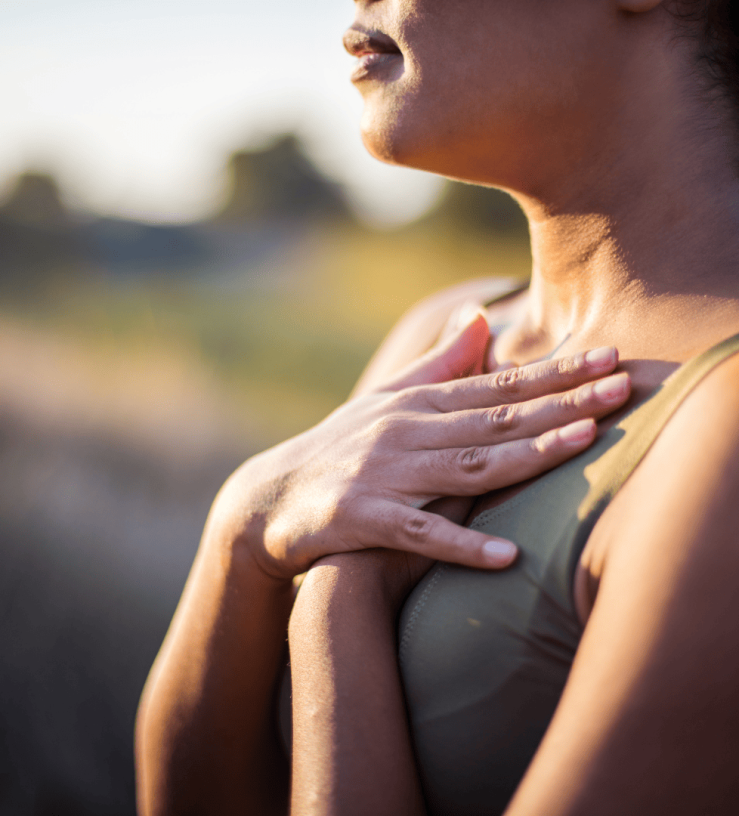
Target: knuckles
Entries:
(500, 419)
(390, 427)
(573, 400)
(342, 508)
(417, 529)
(408, 398)
(472, 460)
(566, 366)
(542, 445)
(507, 384)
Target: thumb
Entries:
(460, 355)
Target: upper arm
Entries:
(419, 328)
(649, 719)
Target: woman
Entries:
(597, 673)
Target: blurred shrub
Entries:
(472, 209)
(278, 181)
(37, 236)
(139, 364)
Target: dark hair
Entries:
(718, 28)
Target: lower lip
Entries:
(372, 64)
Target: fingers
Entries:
(505, 423)
(460, 355)
(477, 470)
(528, 382)
(405, 528)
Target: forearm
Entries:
(205, 737)
(206, 740)
(351, 746)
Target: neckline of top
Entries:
(673, 380)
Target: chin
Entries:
(405, 147)
(381, 146)
(383, 137)
(502, 154)
(396, 139)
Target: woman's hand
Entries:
(360, 478)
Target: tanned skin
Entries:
(596, 116)
(633, 202)
(206, 734)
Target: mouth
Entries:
(374, 51)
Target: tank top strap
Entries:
(641, 427)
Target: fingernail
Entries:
(603, 357)
(612, 388)
(576, 432)
(499, 553)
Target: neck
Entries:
(647, 233)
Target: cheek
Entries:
(445, 111)
(392, 124)
(478, 95)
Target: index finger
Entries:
(520, 384)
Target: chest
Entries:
(485, 656)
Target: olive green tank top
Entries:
(484, 656)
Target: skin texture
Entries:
(206, 738)
(595, 115)
(598, 118)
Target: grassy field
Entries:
(124, 404)
(280, 356)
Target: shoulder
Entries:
(652, 694)
(682, 492)
(680, 505)
(419, 328)
(697, 452)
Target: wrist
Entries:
(376, 579)
(341, 601)
(346, 575)
(234, 535)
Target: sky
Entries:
(135, 105)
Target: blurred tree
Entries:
(471, 208)
(39, 238)
(35, 199)
(280, 181)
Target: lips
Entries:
(359, 42)
(373, 49)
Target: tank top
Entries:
(484, 656)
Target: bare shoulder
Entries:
(681, 502)
(650, 716)
(419, 328)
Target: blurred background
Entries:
(197, 259)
